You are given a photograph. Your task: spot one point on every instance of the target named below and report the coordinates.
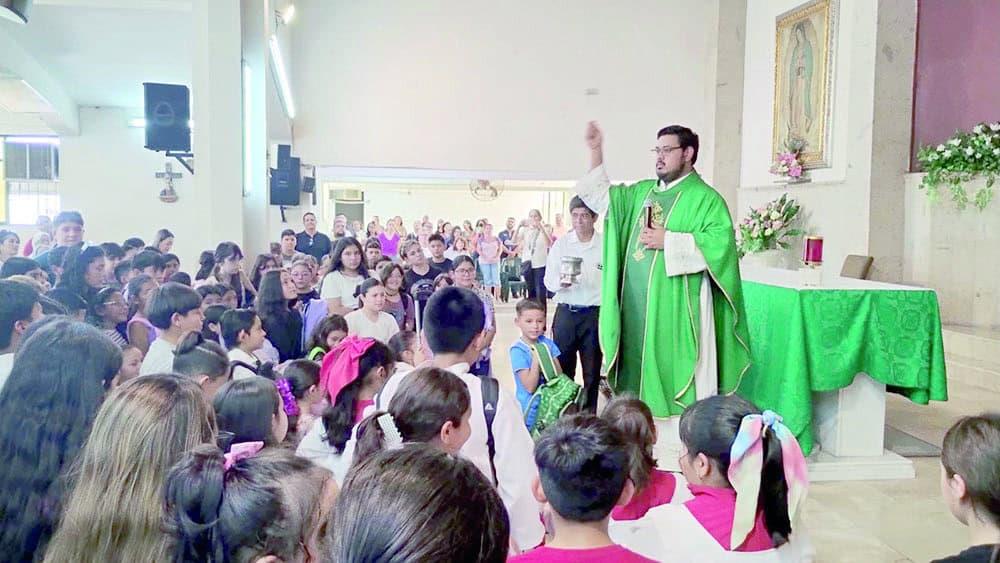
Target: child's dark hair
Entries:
(17, 301)
(122, 269)
(338, 418)
(245, 407)
(402, 342)
(443, 278)
(461, 259)
(213, 315)
(132, 244)
(381, 512)
(262, 505)
(182, 278)
(134, 290)
(365, 286)
(209, 289)
(337, 263)
(710, 426)
(97, 307)
(69, 299)
(195, 355)
(971, 449)
(171, 298)
(75, 265)
(301, 376)
(206, 264)
(112, 250)
(146, 259)
(426, 399)
(634, 420)
(323, 329)
(583, 467)
(235, 321)
(57, 256)
(453, 318)
(525, 305)
(170, 257)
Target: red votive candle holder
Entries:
(813, 253)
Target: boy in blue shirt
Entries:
(523, 357)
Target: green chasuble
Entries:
(650, 324)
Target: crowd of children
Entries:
(343, 409)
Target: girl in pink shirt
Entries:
(745, 470)
(653, 487)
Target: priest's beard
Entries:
(670, 175)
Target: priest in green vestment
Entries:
(672, 323)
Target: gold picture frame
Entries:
(803, 80)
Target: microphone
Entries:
(647, 209)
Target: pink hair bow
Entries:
(340, 365)
(242, 450)
(746, 460)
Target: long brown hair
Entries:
(115, 510)
(634, 420)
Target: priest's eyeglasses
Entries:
(663, 151)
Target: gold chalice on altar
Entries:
(569, 270)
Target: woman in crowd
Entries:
(114, 511)
(262, 264)
(347, 271)
(163, 241)
(282, 322)
(534, 250)
(62, 370)
(141, 333)
(390, 237)
(10, 244)
(459, 247)
(464, 274)
(381, 514)
(398, 303)
(247, 506)
(225, 266)
(489, 247)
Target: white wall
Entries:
(107, 175)
(836, 203)
(451, 84)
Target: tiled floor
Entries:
(863, 521)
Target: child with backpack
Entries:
(243, 333)
(538, 376)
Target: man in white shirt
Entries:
(454, 327)
(19, 306)
(575, 326)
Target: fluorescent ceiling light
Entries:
(247, 131)
(33, 140)
(289, 14)
(282, 77)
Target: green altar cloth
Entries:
(808, 340)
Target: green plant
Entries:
(962, 158)
(766, 228)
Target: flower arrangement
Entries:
(962, 158)
(766, 228)
(789, 163)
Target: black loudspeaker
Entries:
(284, 156)
(168, 116)
(309, 184)
(283, 190)
(295, 173)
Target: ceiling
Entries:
(101, 51)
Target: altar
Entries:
(824, 357)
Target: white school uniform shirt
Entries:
(514, 457)
(586, 292)
(337, 286)
(6, 366)
(671, 533)
(238, 355)
(315, 448)
(159, 358)
(382, 330)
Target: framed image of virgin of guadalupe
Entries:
(803, 80)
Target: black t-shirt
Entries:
(444, 267)
(420, 287)
(975, 554)
(317, 245)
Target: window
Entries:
(29, 171)
(31, 161)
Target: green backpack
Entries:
(559, 395)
